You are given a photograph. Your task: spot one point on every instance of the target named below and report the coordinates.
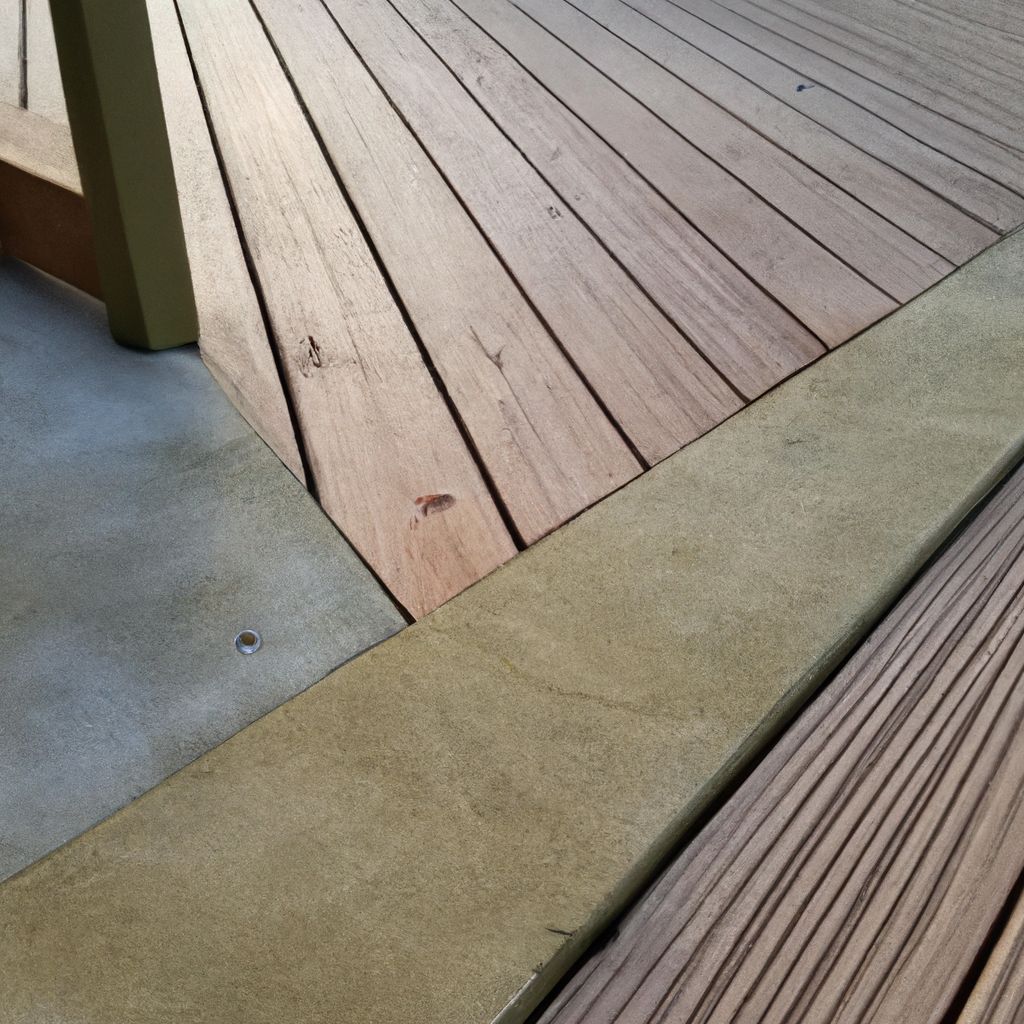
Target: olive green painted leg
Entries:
(113, 100)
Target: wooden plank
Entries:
(918, 210)
(870, 78)
(386, 458)
(754, 26)
(39, 147)
(854, 875)
(690, 279)
(43, 217)
(647, 234)
(1004, 16)
(880, 251)
(794, 259)
(998, 996)
(233, 339)
(987, 18)
(647, 374)
(956, 83)
(549, 448)
(10, 52)
(992, 203)
(957, 37)
(44, 91)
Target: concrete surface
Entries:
(143, 524)
(451, 816)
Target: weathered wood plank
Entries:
(938, 98)
(880, 251)
(985, 95)
(387, 460)
(855, 873)
(10, 52)
(547, 445)
(763, 31)
(648, 375)
(998, 996)
(1004, 16)
(43, 217)
(959, 38)
(891, 190)
(233, 340)
(38, 146)
(795, 259)
(679, 267)
(43, 85)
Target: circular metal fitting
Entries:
(248, 641)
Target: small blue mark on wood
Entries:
(802, 86)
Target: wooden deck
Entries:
(859, 873)
(471, 265)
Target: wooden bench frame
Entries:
(43, 216)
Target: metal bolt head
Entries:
(248, 641)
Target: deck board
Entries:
(386, 457)
(232, 336)
(569, 237)
(969, 91)
(1002, 15)
(648, 375)
(739, 327)
(766, 32)
(959, 39)
(716, 200)
(998, 996)
(545, 441)
(877, 249)
(10, 52)
(44, 91)
(906, 182)
(855, 874)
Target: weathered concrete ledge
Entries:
(453, 815)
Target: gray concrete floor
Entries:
(143, 524)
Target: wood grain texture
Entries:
(979, 94)
(10, 52)
(878, 250)
(998, 996)
(855, 874)
(712, 62)
(1004, 16)
(958, 39)
(713, 198)
(43, 85)
(545, 441)
(648, 375)
(232, 337)
(388, 461)
(766, 32)
(741, 330)
(39, 147)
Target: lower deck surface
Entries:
(859, 873)
(471, 265)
